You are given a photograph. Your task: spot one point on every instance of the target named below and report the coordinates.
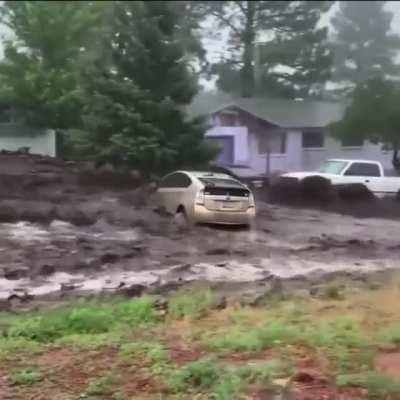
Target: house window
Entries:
(313, 140)
(272, 143)
(352, 142)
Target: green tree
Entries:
(136, 97)
(292, 61)
(51, 41)
(363, 44)
(373, 115)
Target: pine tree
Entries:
(364, 47)
(135, 115)
(293, 61)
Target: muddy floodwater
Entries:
(42, 259)
(69, 229)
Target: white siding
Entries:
(240, 141)
(44, 144)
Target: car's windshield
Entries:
(220, 182)
(332, 167)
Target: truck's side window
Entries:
(363, 169)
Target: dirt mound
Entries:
(354, 192)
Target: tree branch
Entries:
(226, 21)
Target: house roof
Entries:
(17, 129)
(281, 112)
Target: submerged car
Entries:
(206, 197)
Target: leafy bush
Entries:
(26, 377)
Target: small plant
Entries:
(100, 387)
(26, 377)
(202, 374)
(191, 304)
(265, 372)
(10, 347)
(153, 354)
(390, 336)
(333, 291)
(273, 333)
(379, 386)
(88, 318)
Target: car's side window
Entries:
(363, 169)
(176, 180)
(183, 181)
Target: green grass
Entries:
(390, 337)
(26, 377)
(84, 319)
(152, 354)
(222, 382)
(101, 386)
(192, 304)
(378, 386)
(12, 347)
(273, 333)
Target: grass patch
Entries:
(26, 377)
(390, 337)
(273, 333)
(101, 386)
(191, 304)
(379, 386)
(90, 341)
(85, 319)
(224, 383)
(12, 347)
(151, 354)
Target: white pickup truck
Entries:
(341, 172)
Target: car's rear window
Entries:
(219, 182)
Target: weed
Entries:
(379, 386)
(89, 341)
(26, 377)
(265, 372)
(89, 318)
(100, 387)
(192, 304)
(274, 333)
(228, 387)
(333, 291)
(10, 347)
(390, 336)
(202, 374)
(154, 355)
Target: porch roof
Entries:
(282, 112)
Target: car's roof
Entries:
(207, 174)
(353, 160)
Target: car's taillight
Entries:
(251, 200)
(200, 197)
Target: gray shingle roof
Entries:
(281, 112)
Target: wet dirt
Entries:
(62, 236)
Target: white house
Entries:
(270, 135)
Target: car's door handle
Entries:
(367, 181)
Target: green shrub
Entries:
(202, 374)
(26, 377)
(191, 304)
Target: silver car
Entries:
(205, 197)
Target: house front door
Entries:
(225, 144)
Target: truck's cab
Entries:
(341, 171)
